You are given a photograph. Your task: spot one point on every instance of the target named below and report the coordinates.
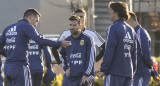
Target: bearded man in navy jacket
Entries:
(79, 55)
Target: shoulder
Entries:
(144, 33)
(9, 27)
(87, 37)
(68, 38)
(90, 30)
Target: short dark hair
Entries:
(133, 16)
(121, 8)
(31, 11)
(79, 10)
(75, 17)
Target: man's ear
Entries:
(81, 26)
(32, 17)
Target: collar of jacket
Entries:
(137, 27)
(78, 36)
(25, 20)
(118, 20)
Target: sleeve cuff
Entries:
(86, 75)
(65, 68)
(59, 43)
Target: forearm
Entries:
(56, 54)
(101, 54)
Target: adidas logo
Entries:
(11, 31)
(128, 38)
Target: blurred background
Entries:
(55, 14)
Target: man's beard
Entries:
(73, 32)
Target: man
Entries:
(119, 62)
(79, 56)
(16, 38)
(144, 62)
(98, 40)
(35, 63)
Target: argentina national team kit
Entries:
(16, 38)
(79, 58)
(35, 61)
(144, 61)
(119, 62)
(97, 40)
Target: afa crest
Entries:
(82, 42)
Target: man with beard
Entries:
(98, 40)
(79, 55)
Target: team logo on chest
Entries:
(82, 42)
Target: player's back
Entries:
(17, 42)
(120, 48)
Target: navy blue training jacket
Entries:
(79, 56)
(35, 60)
(144, 61)
(120, 50)
(16, 38)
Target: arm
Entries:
(89, 57)
(134, 54)
(90, 54)
(111, 43)
(3, 52)
(56, 54)
(31, 32)
(65, 63)
(155, 75)
(47, 54)
(146, 48)
(100, 55)
(99, 41)
(154, 72)
(2, 44)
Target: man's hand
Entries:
(85, 79)
(68, 72)
(100, 75)
(156, 78)
(65, 43)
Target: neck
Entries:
(116, 18)
(135, 25)
(28, 20)
(75, 36)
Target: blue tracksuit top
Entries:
(35, 63)
(120, 50)
(144, 61)
(79, 56)
(16, 38)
